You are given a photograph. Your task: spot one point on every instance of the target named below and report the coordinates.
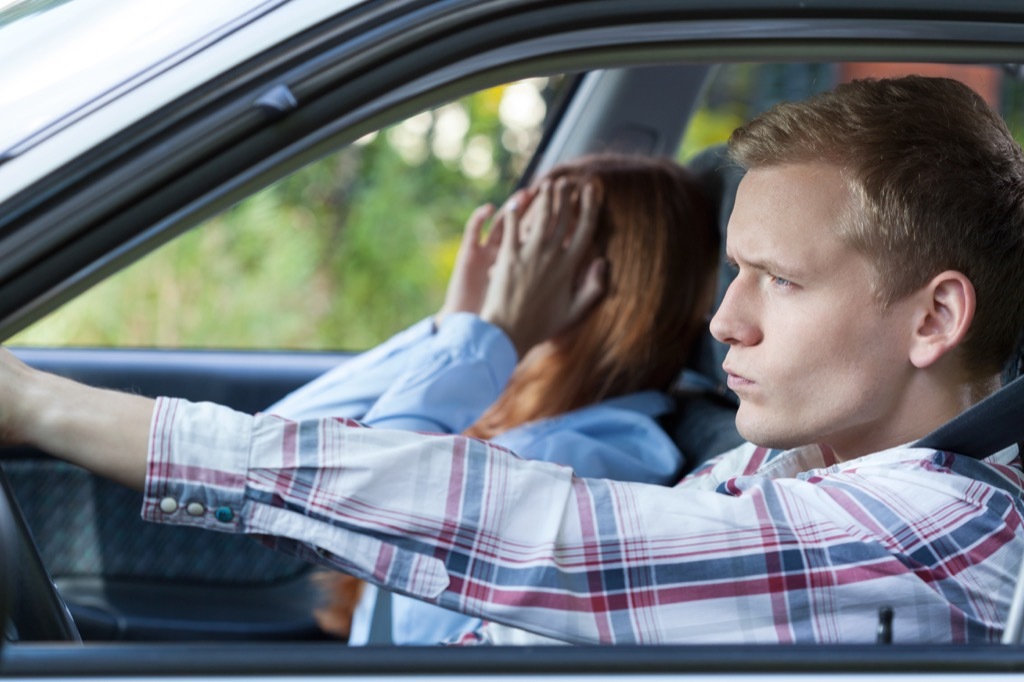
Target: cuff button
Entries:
(168, 505)
(224, 514)
(195, 509)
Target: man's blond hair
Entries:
(938, 184)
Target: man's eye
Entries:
(780, 282)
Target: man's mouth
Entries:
(736, 381)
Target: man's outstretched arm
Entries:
(104, 431)
(464, 524)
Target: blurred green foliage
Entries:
(339, 255)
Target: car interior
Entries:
(123, 580)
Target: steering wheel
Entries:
(30, 600)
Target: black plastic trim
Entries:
(293, 660)
(37, 611)
(10, 559)
(555, 113)
(110, 609)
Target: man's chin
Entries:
(760, 434)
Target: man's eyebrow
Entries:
(762, 265)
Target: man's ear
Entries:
(945, 312)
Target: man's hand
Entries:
(14, 385)
(537, 290)
(471, 275)
(104, 431)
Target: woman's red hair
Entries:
(655, 230)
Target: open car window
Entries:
(339, 255)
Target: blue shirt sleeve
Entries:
(450, 379)
(351, 388)
(617, 439)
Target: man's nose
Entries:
(735, 321)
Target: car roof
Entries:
(71, 55)
(75, 58)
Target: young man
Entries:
(878, 237)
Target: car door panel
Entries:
(125, 579)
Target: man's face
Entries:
(812, 356)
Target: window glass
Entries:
(735, 93)
(340, 255)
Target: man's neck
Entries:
(926, 406)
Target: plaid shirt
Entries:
(757, 546)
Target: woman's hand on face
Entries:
(471, 274)
(535, 291)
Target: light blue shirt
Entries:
(441, 382)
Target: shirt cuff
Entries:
(197, 465)
(488, 340)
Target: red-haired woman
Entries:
(587, 396)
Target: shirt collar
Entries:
(790, 463)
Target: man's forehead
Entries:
(805, 188)
(787, 216)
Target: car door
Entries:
(371, 86)
(127, 580)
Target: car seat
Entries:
(703, 424)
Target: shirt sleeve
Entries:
(351, 388)
(601, 442)
(450, 380)
(467, 525)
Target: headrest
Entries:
(721, 178)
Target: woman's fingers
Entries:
(536, 221)
(515, 205)
(475, 225)
(508, 233)
(563, 212)
(586, 224)
(493, 242)
(536, 288)
(469, 276)
(589, 292)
